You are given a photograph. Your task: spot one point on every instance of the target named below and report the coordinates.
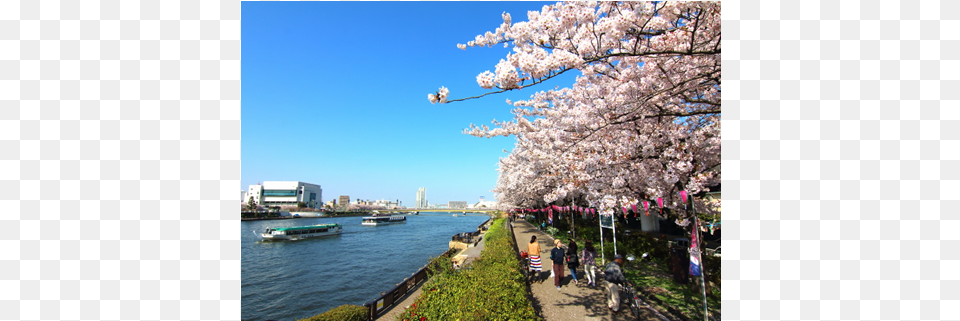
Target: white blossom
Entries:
(641, 120)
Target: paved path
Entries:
(396, 310)
(573, 301)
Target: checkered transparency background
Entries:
(120, 160)
(841, 160)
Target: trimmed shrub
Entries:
(490, 288)
(346, 312)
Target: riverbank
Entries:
(459, 258)
(286, 217)
(489, 288)
(245, 219)
(330, 272)
(391, 313)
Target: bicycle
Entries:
(628, 295)
(528, 273)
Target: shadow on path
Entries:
(573, 301)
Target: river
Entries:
(289, 280)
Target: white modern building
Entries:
(422, 198)
(483, 203)
(286, 193)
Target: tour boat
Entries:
(301, 232)
(379, 219)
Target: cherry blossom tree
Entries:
(642, 120)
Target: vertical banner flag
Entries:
(646, 208)
(550, 216)
(694, 249)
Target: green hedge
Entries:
(346, 312)
(490, 288)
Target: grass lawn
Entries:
(656, 280)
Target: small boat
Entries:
(301, 232)
(383, 218)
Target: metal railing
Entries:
(394, 295)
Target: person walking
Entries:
(613, 273)
(590, 263)
(557, 255)
(533, 250)
(573, 261)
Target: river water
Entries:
(289, 280)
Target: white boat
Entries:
(380, 219)
(301, 232)
(307, 214)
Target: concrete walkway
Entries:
(573, 301)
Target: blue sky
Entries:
(335, 94)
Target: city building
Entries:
(457, 204)
(422, 198)
(344, 200)
(243, 197)
(285, 193)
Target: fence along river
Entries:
(289, 280)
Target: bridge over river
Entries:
(441, 210)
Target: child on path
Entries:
(590, 263)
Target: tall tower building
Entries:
(422, 197)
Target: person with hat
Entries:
(558, 257)
(613, 273)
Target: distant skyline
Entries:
(335, 94)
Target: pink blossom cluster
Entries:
(440, 96)
(642, 120)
